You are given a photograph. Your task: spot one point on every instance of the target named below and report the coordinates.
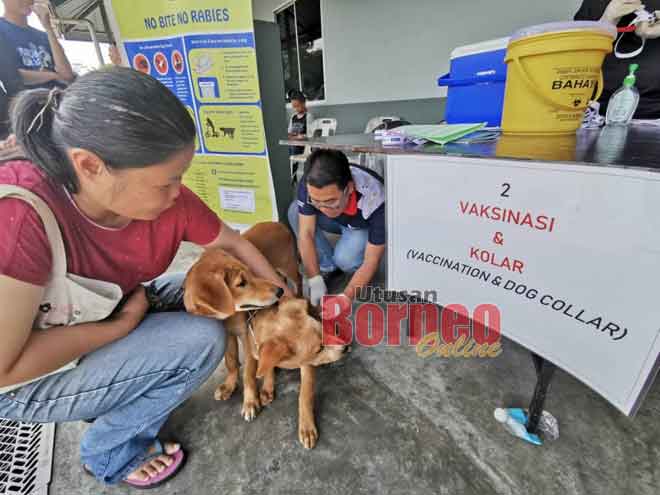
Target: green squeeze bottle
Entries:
(623, 103)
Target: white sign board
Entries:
(570, 254)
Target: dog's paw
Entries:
(224, 392)
(250, 409)
(266, 396)
(308, 435)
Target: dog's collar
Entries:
(250, 317)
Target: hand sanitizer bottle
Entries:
(623, 103)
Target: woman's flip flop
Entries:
(178, 461)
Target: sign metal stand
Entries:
(545, 370)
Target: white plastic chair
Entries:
(318, 128)
(324, 127)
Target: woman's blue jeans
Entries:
(131, 386)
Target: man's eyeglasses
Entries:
(330, 205)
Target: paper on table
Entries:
(440, 134)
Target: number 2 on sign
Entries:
(505, 192)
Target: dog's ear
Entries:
(207, 294)
(271, 354)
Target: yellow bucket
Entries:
(553, 147)
(552, 75)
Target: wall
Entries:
(353, 118)
(267, 35)
(379, 50)
(262, 10)
(383, 57)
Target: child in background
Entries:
(300, 122)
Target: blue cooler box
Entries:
(475, 83)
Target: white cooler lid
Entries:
(482, 47)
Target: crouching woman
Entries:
(97, 211)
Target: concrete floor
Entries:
(393, 423)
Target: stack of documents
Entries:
(439, 134)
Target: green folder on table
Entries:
(439, 134)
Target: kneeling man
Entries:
(342, 199)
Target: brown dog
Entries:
(289, 336)
(286, 335)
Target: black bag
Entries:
(10, 83)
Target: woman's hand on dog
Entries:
(231, 241)
(132, 312)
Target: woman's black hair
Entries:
(127, 118)
(326, 167)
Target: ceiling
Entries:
(82, 9)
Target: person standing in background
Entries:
(41, 60)
(299, 126)
(300, 122)
(620, 13)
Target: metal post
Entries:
(106, 24)
(92, 34)
(88, 10)
(544, 372)
(299, 60)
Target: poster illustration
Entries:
(204, 52)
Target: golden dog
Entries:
(283, 333)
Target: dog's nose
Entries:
(279, 293)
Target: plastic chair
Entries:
(324, 127)
(318, 128)
(376, 122)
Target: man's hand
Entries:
(649, 31)
(42, 11)
(317, 289)
(114, 55)
(620, 8)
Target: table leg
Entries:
(544, 372)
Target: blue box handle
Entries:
(447, 80)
